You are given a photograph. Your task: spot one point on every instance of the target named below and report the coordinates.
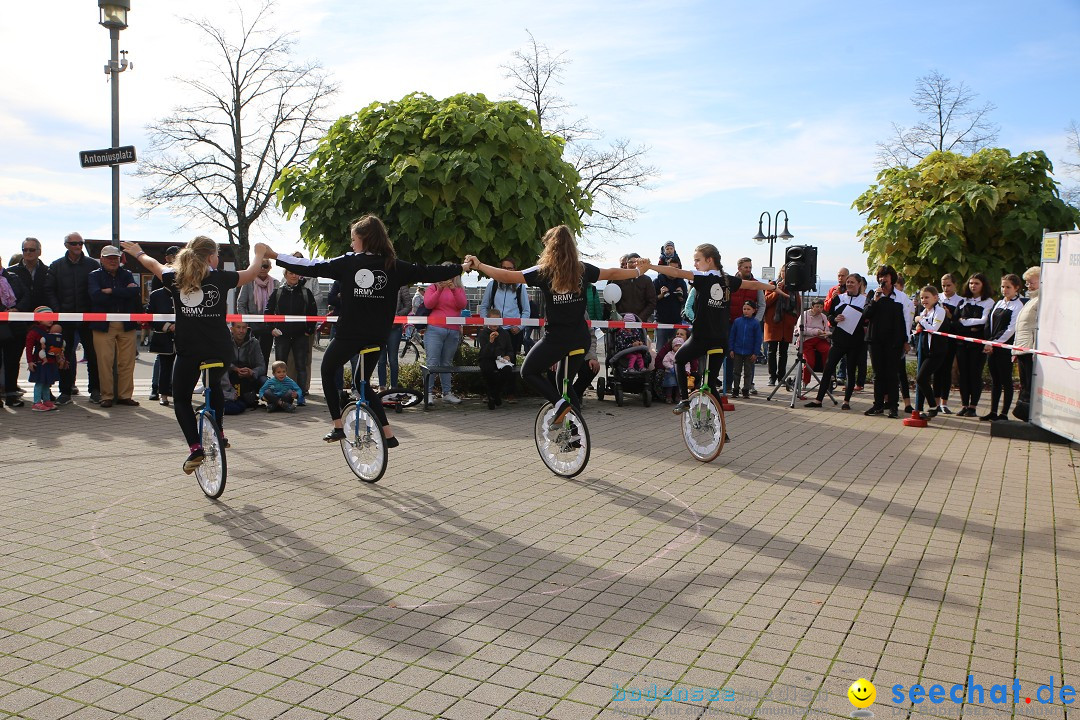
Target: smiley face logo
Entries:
(193, 299)
(364, 279)
(862, 693)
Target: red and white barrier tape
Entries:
(991, 343)
(400, 319)
(422, 320)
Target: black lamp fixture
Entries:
(770, 236)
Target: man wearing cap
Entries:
(170, 255)
(113, 290)
(68, 292)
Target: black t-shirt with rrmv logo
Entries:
(712, 316)
(369, 289)
(565, 311)
(201, 331)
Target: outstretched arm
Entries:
(643, 265)
(497, 273)
(619, 273)
(139, 254)
(766, 287)
(252, 270)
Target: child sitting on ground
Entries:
(627, 338)
(44, 359)
(280, 391)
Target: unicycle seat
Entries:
(210, 364)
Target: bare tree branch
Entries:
(950, 122)
(258, 111)
(608, 173)
(1071, 193)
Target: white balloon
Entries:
(612, 293)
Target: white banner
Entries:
(1055, 392)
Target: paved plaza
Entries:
(821, 547)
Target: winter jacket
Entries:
(638, 297)
(124, 297)
(67, 286)
(745, 337)
(782, 330)
(292, 300)
(669, 307)
(249, 354)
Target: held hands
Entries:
(470, 263)
(262, 250)
(275, 332)
(642, 264)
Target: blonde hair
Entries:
(709, 250)
(559, 261)
(1033, 271)
(192, 263)
(278, 365)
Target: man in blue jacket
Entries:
(113, 290)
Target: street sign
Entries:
(107, 157)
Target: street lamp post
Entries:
(771, 237)
(113, 15)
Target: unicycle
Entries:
(364, 444)
(211, 473)
(703, 426)
(565, 448)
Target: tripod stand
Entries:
(797, 368)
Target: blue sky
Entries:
(745, 107)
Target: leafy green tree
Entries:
(962, 214)
(449, 177)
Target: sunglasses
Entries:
(26, 250)
(265, 267)
(74, 244)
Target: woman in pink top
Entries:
(444, 299)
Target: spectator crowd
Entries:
(839, 336)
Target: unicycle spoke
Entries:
(703, 427)
(364, 445)
(565, 448)
(212, 472)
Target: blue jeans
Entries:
(440, 346)
(393, 345)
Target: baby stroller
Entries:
(621, 380)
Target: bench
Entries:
(432, 369)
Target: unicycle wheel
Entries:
(364, 445)
(212, 472)
(565, 450)
(703, 427)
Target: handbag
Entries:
(161, 343)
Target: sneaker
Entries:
(63, 399)
(289, 407)
(49, 404)
(845, 406)
(153, 396)
(812, 403)
(945, 410)
(562, 409)
(39, 407)
(95, 398)
(933, 412)
(334, 435)
(681, 407)
(194, 460)
(875, 410)
(772, 382)
(164, 402)
(15, 402)
(753, 390)
(746, 393)
(894, 413)
(451, 398)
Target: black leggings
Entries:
(548, 351)
(340, 351)
(185, 375)
(970, 359)
(943, 377)
(884, 359)
(928, 371)
(1001, 379)
(691, 350)
(836, 354)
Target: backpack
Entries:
(490, 294)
